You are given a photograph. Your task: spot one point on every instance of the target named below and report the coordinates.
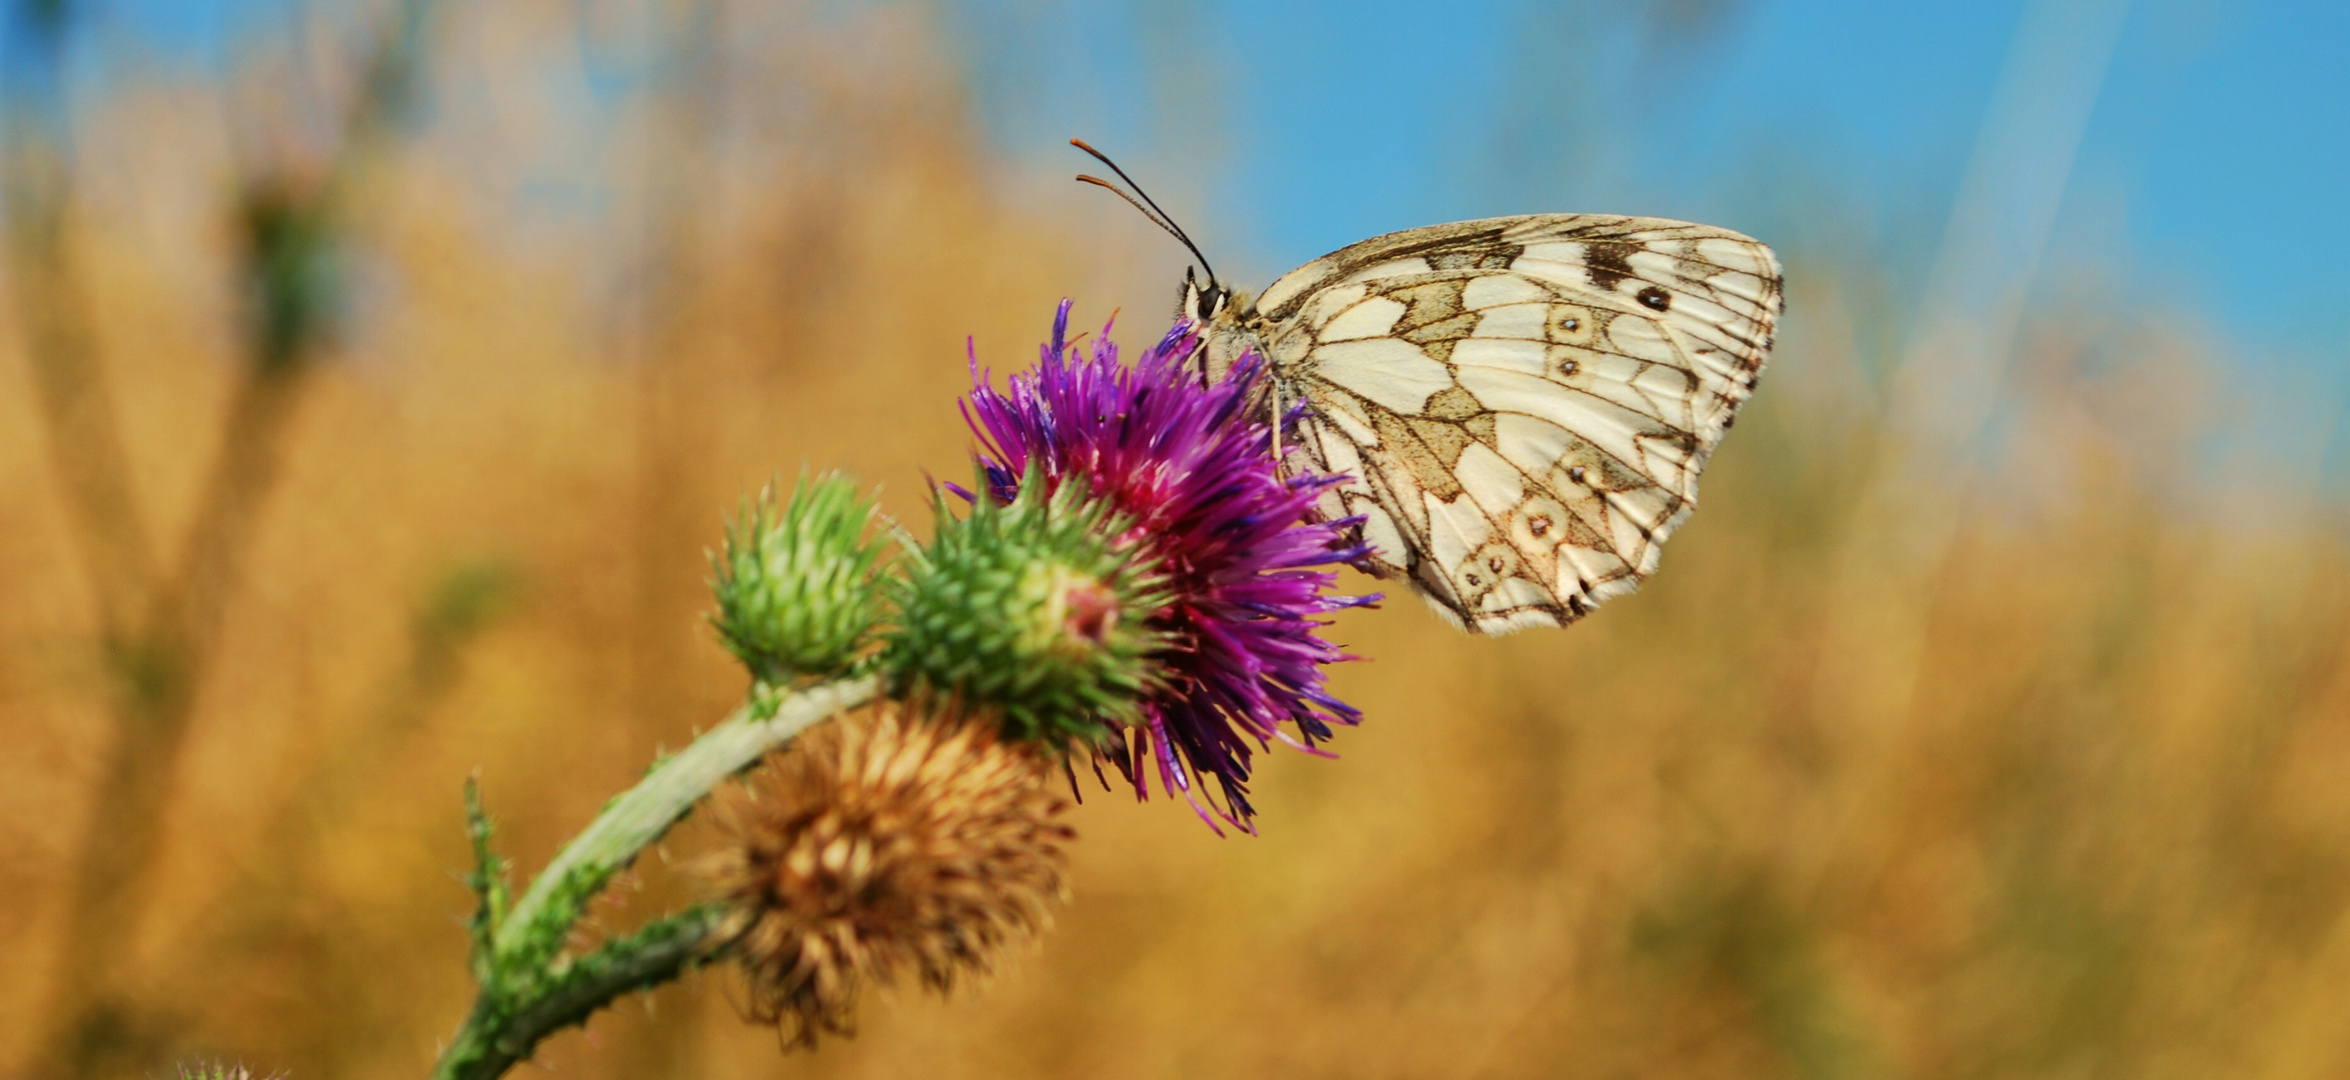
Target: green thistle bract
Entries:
(796, 590)
(1030, 610)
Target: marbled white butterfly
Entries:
(1522, 404)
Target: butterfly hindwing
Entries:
(1523, 404)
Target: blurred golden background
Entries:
(333, 471)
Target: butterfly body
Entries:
(1521, 405)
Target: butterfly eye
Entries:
(1494, 564)
(1655, 299)
(1567, 367)
(1539, 525)
(1211, 302)
(1575, 474)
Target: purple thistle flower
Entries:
(1195, 477)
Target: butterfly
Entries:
(1520, 405)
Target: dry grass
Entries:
(2107, 837)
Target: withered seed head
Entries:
(896, 838)
(219, 1070)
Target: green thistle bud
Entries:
(796, 591)
(1031, 611)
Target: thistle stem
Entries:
(529, 990)
(498, 1035)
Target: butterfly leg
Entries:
(1275, 386)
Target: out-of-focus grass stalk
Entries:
(1956, 358)
(667, 344)
(529, 988)
(266, 902)
(85, 443)
(86, 452)
(159, 632)
(668, 347)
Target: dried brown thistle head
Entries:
(897, 838)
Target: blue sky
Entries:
(2208, 179)
(2206, 183)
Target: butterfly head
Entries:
(1202, 301)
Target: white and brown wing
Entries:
(1524, 403)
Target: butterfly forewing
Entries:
(1522, 404)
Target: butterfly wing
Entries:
(1523, 403)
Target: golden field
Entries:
(2054, 791)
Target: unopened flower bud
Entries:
(795, 585)
(1031, 610)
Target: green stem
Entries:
(534, 931)
(500, 1034)
(529, 990)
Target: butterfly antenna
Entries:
(1160, 218)
(1121, 193)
